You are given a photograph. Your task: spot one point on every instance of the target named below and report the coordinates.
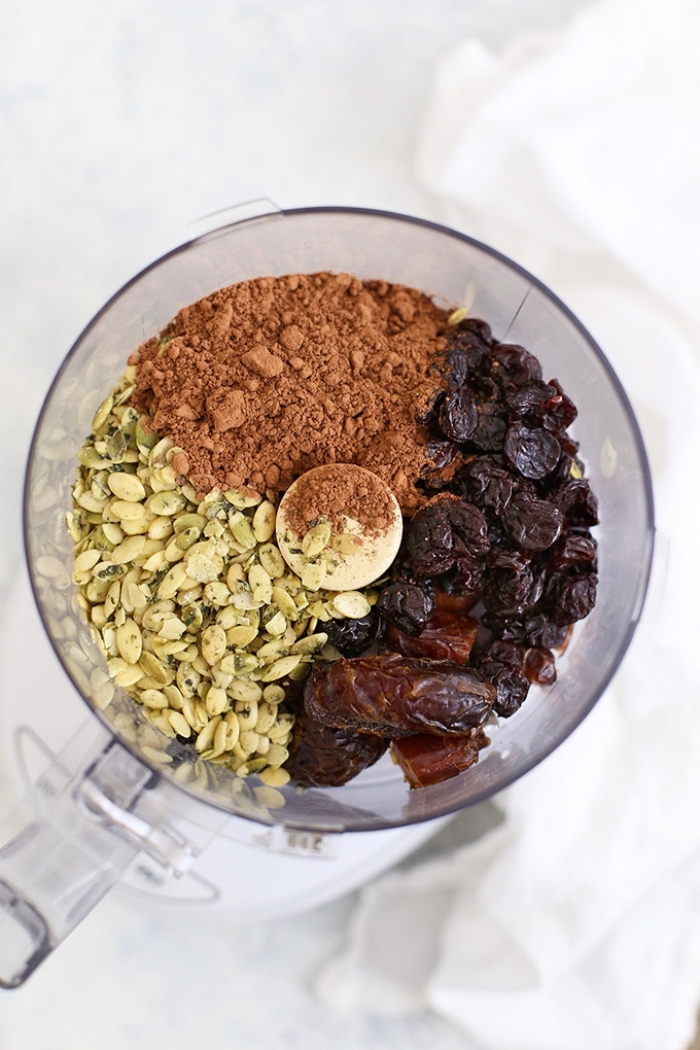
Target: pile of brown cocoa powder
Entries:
(262, 381)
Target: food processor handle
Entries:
(60, 864)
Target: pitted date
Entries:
(321, 756)
(426, 760)
(396, 696)
(446, 636)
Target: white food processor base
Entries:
(249, 872)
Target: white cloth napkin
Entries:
(575, 925)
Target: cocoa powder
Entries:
(261, 381)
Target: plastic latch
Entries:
(109, 792)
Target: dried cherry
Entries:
(577, 502)
(534, 452)
(574, 549)
(535, 524)
(443, 531)
(528, 402)
(438, 455)
(470, 329)
(487, 483)
(541, 632)
(464, 580)
(512, 592)
(490, 433)
(458, 415)
(559, 412)
(512, 364)
(354, 637)
(502, 666)
(406, 606)
(572, 596)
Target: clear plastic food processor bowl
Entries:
(443, 264)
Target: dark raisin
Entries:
(573, 597)
(541, 632)
(438, 454)
(406, 606)
(490, 433)
(534, 523)
(486, 483)
(443, 531)
(576, 500)
(533, 452)
(528, 402)
(539, 667)
(513, 365)
(501, 664)
(574, 549)
(559, 411)
(354, 637)
(458, 416)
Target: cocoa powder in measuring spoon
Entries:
(266, 379)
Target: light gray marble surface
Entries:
(119, 124)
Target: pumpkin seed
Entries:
(102, 413)
(280, 668)
(351, 604)
(129, 641)
(316, 540)
(264, 521)
(126, 487)
(213, 644)
(165, 504)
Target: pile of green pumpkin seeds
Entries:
(189, 600)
